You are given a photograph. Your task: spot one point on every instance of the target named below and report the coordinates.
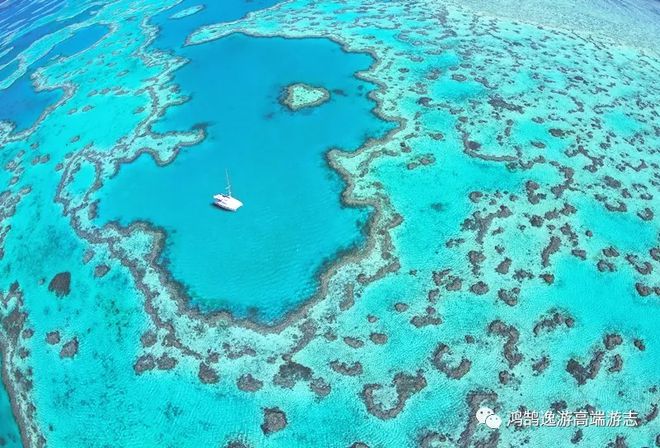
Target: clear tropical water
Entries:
(9, 433)
(505, 236)
(23, 105)
(265, 259)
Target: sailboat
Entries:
(227, 201)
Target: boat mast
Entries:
(228, 184)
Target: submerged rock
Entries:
(299, 96)
(207, 375)
(584, 373)
(511, 333)
(166, 362)
(405, 385)
(60, 284)
(320, 387)
(378, 338)
(53, 337)
(248, 383)
(70, 349)
(101, 270)
(456, 372)
(274, 420)
(343, 368)
(612, 340)
(290, 373)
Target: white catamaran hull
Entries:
(227, 202)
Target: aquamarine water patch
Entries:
(619, 229)
(9, 433)
(623, 123)
(266, 257)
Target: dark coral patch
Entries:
(583, 373)
(453, 372)
(207, 375)
(406, 386)
(274, 420)
(60, 284)
(70, 349)
(248, 383)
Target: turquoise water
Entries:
(514, 229)
(265, 259)
(9, 433)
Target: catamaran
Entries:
(227, 201)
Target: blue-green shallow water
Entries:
(9, 433)
(264, 259)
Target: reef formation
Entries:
(300, 95)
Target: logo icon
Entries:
(488, 417)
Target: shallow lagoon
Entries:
(266, 257)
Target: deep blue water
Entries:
(24, 41)
(8, 70)
(22, 105)
(264, 259)
(173, 32)
(79, 41)
(17, 13)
